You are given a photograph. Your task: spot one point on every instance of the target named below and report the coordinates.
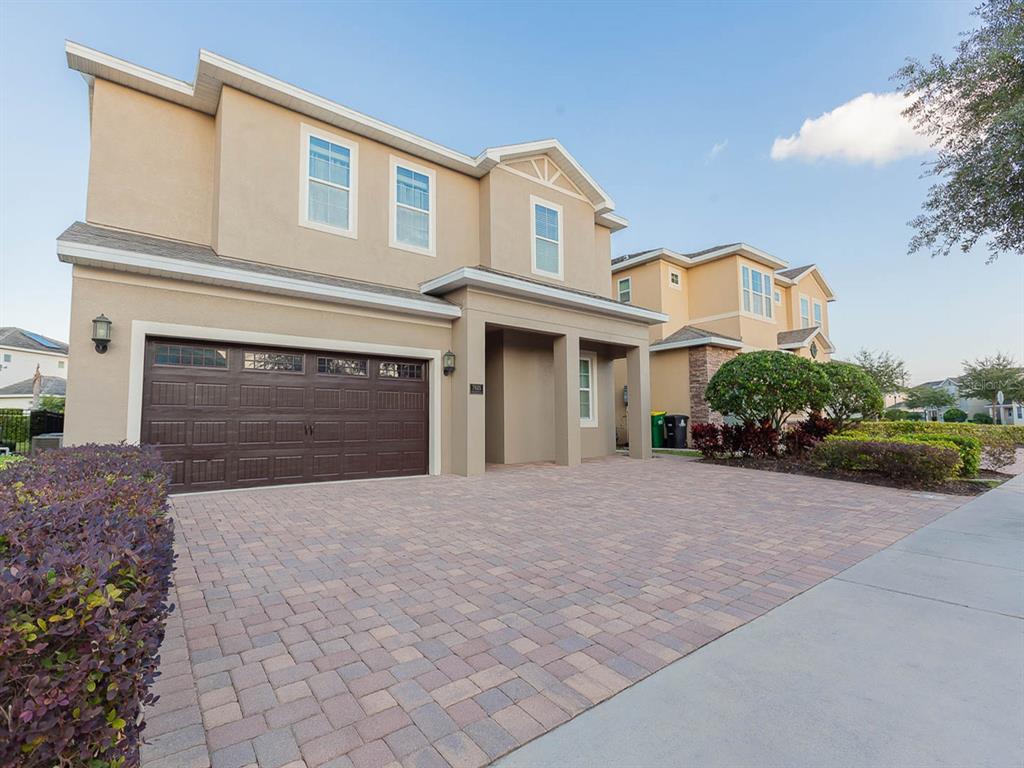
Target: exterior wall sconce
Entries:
(101, 333)
(449, 363)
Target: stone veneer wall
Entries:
(704, 361)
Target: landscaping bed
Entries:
(798, 466)
(86, 552)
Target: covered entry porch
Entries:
(534, 377)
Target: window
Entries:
(817, 313)
(7, 357)
(412, 207)
(342, 366)
(272, 361)
(588, 390)
(547, 237)
(328, 196)
(805, 312)
(625, 289)
(400, 370)
(778, 297)
(757, 292)
(60, 364)
(190, 356)
(675, 280)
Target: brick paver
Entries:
(443, 621)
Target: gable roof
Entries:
(802, 337)
(12, 336)
(213, 72)
(693, 336)
(92, 245)
(52, 385)
(697, 257)
(794, 275)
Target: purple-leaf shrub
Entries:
(85, 564)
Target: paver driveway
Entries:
(445, 621)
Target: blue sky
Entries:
(640, 94)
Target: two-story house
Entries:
(22, 353)
(720, 301)
(297, 291)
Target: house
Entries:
(1008, 413)
(720, 301)
(297, 291)
(20, 395)
(21, 352)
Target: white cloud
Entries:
(867, 129)
(716, 150)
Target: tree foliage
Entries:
(954, 416)
(851, 391)
(986, 377)
(767, 387)
(972, 110)
(929, 397)
(889, 372)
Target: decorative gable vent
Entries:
(543, 169)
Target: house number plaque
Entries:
(476, 389)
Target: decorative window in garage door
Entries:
(400, 370)
(272, 361)
(190, 356)
(342, 366)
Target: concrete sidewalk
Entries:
(913, 657)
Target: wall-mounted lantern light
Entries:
(101, 333)
(449, 363)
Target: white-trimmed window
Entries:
(413, 207)
(817, 313)
(625, 286)
(757, 292)
(675, 280)
(60, 364)
(805, 312)
(328, 195)
(546, 220)
(588, 389)
(778, 297)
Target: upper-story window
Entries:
(817, 313)
(757, 292)
(7, 357)
(625, 286)
(778, 297)
(60, 364)
(328, 196)
(675, 280)
(413, 204)
(547, 237)
(805, 312)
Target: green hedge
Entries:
(968, 447)
(998, 441)
(906, 461)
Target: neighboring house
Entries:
(21, 351)
(19, 394)
(1008, 413)
(285, 276)
(720, 301)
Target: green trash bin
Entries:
(658, 429)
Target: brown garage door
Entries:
(228, 416)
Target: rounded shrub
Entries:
(981, 418)
(954, 415)
(851, 391)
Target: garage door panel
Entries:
(231, 415)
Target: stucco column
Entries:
(638, 414)
(468, 418)
(567, 400)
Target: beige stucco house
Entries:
(720, 302)
(284, 277)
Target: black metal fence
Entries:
(17, 428)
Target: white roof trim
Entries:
(829, 294)
(213, 72)
(179, 269)
(807, 342)
(752, 253)
(514, 286)
(715, 341)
